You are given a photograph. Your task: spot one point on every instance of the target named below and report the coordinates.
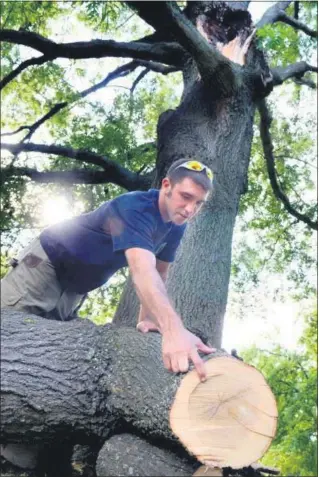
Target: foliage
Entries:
(292, 375)
(285, 45)
(283, 244)
(102, 16)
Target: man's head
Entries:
(184, 190)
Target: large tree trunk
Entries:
(67, 383)
(199, 279)
(217, 131)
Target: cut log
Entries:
(74, 382)
(228, 421)
(126, 454)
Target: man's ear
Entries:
(166, 183)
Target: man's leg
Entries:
(31, 286)
(68, 305)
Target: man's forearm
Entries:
(153, 297)
(144, 313)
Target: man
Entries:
(138, 229)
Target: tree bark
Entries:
(126, 454)
(82, 381)
(67, 383)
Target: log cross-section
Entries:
(228, 421)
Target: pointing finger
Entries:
(199, 365)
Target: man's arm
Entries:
(146, 321)
(179, 346)
(162, 268)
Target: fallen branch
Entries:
(109, 372)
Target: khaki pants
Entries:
(32, 286)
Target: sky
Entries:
(264, 320)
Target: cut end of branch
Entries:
(230, 419)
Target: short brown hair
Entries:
(177, 174)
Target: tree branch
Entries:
(273, 13)
(116, 173)
(158, 67)
(295, 70)
(277, 13)
(43, 119)
(25, 64)
(283, 17)
(306, 82)
(151, 66)
(139, 78)
(75, 176)
(165, 52)
(265, 122)
(119, 72)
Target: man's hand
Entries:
(179, 346)
(147, 325)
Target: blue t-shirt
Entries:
(87, 250)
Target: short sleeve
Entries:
(167, 254)
(131, 228)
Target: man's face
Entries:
(183, 200)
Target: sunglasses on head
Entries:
(197, 167)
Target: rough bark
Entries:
(79, 380)
(68, 383)
(127, 454)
